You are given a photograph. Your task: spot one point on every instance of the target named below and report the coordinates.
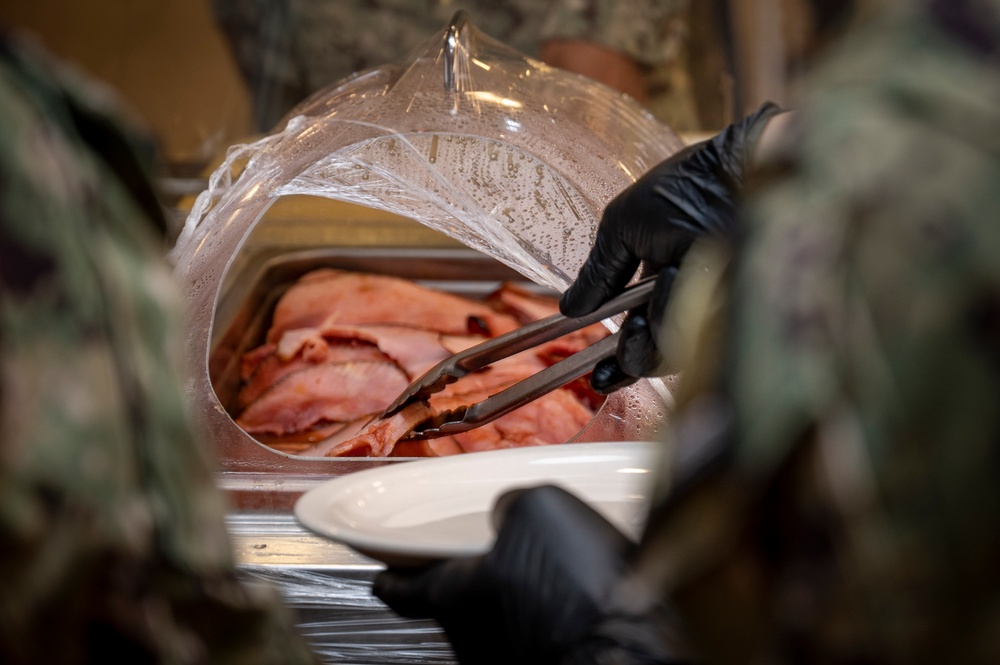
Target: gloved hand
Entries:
(543, 594)
(691, 194)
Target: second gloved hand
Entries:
(538, 595)
(691, 194)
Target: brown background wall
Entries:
(165, 58)
(170, 63)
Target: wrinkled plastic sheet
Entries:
(328, 587)
(472, 139)
(344, 623)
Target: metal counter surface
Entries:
(329, 587)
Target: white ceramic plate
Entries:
(420, 511)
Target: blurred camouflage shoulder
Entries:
(287, 50)
(113, 529)
(853, 518)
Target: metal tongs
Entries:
(480, 356)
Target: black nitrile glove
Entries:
(693, 193)
(543, 594)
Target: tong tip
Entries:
(433, 381)
(440, 424)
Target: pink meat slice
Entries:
(415, 350)
(555, 417)
(478, 385)
(306, 341)
(379, 437)
(251, 359)
(458, 343)
(297, 442)
(522, 303)
(439, 447)
(345, 432)
(528, 306)
(442, 446)
(343, 345)
(565, 346)
(319, 393)
(328, 297)
(272, 368)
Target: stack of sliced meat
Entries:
(343, 345)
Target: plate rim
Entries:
(389, 550)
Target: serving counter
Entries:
(329, 588)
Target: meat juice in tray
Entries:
(339, 345)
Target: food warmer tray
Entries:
(326, 583)
(256, 476)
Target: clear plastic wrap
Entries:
(466, 136)
(329, 589)
(507, 155)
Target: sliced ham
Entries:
(330, 297)
(476, 386)
(343, 433)
(522, 303)
(555, 417)
(251, 359)
(354, 439)
(330, 392)
(528, 306)
(439, 447)
(272, 368)
(343, 345)
(308, 342)
(297, 443)
(565, 346)
(414, 350)
(381, 435)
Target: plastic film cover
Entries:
(466, 136)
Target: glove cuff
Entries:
(735, 145)
(632, 640)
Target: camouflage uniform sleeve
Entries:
(848, 514)
(287, 50)
(647, 30)
(262, 37)
(114, 541)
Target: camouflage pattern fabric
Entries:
(114, 547)
(288, 49)
(835, 496)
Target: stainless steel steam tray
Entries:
(245, 308)
(258, 477)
